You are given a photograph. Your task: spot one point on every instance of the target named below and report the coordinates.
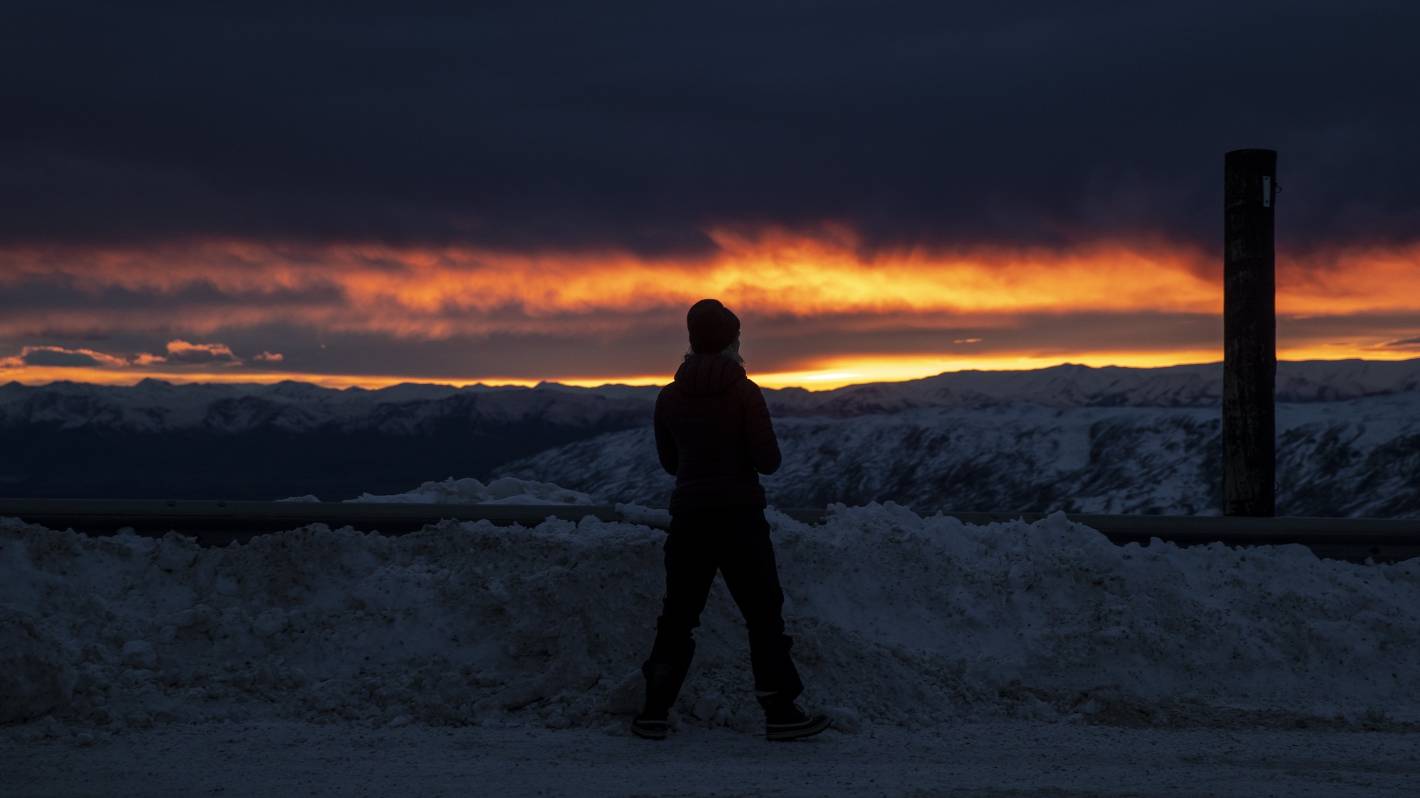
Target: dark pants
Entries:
(736, 543)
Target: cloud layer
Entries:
(537, 190)
(529, 126)
(816, 308)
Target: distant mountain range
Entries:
(160, 440)
(1068, 437)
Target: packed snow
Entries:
(962, 759)
(900, 620)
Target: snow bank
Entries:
(35, 675)
(898, 619)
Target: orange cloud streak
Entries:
(771, 273)
(435, 293)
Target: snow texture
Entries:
(36, 677)
(899, 619)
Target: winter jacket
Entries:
(714, 434)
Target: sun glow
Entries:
(820, 375)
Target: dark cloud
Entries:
(62, 291)
(591, 124)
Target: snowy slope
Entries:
(1337, 458)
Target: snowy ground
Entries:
(1001, 758)
(1006, 659)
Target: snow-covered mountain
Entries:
(1354, 457)
(156, 439)
(1072, 438)
(1068, 437)
(157, 406)
(1072, 385)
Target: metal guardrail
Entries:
(217, 523)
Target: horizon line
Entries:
(340, 382)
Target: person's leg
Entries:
(753, 578)
(690, 570)
(752, 575)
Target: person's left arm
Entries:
(763, 443)
(665, 441)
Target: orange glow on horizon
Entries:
(820, 375)
(41, 375)
(838, 372)
(437, 293)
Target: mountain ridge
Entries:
(152, 402)
(998, 440)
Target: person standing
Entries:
(714, 434)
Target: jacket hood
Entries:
(705, 374)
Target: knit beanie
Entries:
(712, 326)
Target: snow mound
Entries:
(897, 618)
(35, 675)
(505, 490)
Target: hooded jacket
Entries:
(714, 434)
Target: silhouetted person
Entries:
(714, 434)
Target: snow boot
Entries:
(783, 720)
(650, 728)
(663, 681)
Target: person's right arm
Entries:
(763, 443)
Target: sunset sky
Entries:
(537, 191)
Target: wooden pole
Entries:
(1249, 333)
